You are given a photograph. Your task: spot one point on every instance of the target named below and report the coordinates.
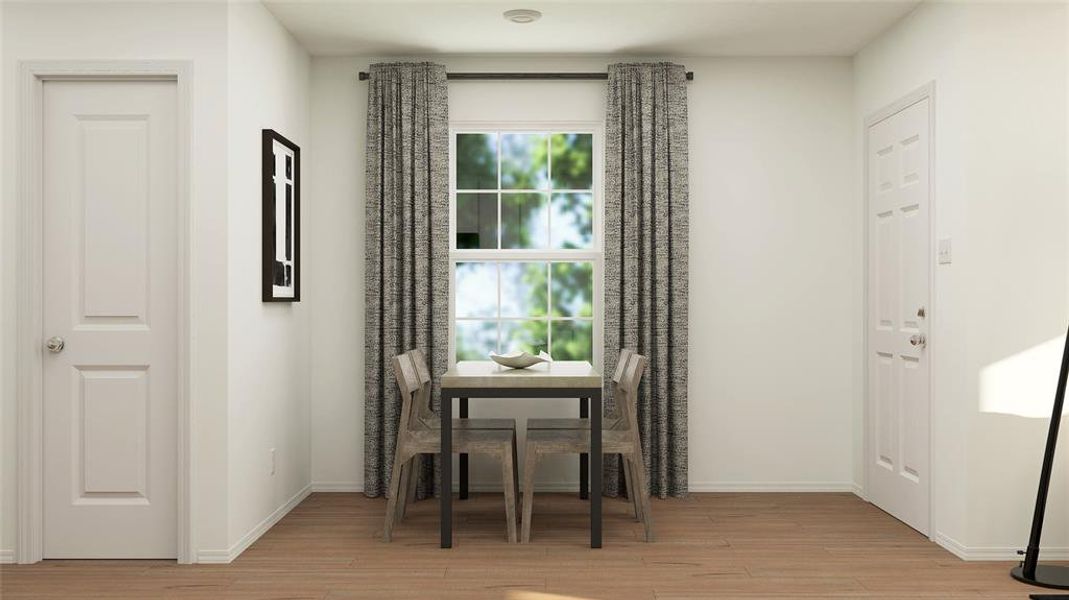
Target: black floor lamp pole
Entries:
(1030, 571)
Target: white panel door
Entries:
(110, 285)
(897, 460)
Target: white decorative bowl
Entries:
(519, 359)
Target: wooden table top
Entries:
(488, 374)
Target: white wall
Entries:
(268, 342)
(250, 360)
(776, 275)
(774, 313)
(194, 32)
(1001, 195)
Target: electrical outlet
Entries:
(274, 462)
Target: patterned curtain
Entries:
(407, 248)
(646, 231)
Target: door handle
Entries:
(918, 340)
(54, 344)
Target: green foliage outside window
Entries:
(534, 192)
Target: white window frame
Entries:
(594, 254)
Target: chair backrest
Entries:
(617, 377)
(408, 381)
(423, 395)
(621, 366)
(627, 393)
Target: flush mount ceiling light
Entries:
(522, 15)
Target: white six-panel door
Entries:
(897, 460)
(110, 285)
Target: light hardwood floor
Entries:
(708, 546)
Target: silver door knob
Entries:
(918, 340)
(54, 344)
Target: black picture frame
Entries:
(281, 273)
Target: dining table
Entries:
(488, 380)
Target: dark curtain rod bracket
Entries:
(522, 76)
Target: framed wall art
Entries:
(281, 218)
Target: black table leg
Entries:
(584, 459)
(463, 457)
(445, 506)
(595, 468)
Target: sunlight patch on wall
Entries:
(1023, 384)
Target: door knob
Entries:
(918, 340)
(54, 344)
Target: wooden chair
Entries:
(622, 439)
(611, 419)
(414, 437)
(427, 416)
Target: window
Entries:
(525, 253)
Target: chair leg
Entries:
(508, 476)
(515, 473)
(530, 464)
(643, 493)
(402, 491)
(629, 484)
(411, 482)
(392, 501)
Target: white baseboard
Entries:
(338, 486)
(476, 486)
(213, 557)
(994, 553)
(228, 555)
(773, 486)
(573, 486)
(551, 487)
(7, 557)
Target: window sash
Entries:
(592, 255)
(595, 129)
(499, 191)
(548, 321)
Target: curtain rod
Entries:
(519, 76)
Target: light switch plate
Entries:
(944, 251)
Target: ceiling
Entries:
(650, 28)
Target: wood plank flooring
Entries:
(708, 546)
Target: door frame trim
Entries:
(29, 373)
(924, 92)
